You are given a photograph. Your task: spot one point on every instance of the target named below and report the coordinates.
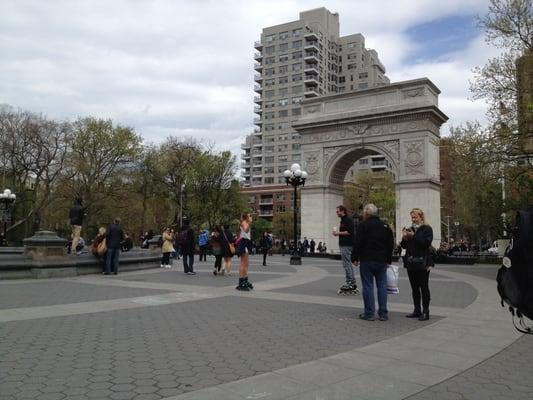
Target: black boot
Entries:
(242, 285)
(415, 314)
(424, 316)
(248, 284)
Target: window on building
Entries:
(270, 60)
(281, 169)
(352, 56)
(363, 161)
(283, 79)
(283, 147)
(295, 136)
(283, 113)
(363, 85)
(283, 35)
(283, 125)
(280, 208)
(297, 67)
(297, 44)
(284, 47)
(283, 69)
(283, 158)
(270, 93)
(297, 32)
(283, 91)
(270, 82)
(351, 45)
(256, 181)
(270, 50)
(352, 66)
(270, 38)
(283, 102)
(282, 138)
(342, 79)
(296, 146)
(284, 58)
(296, 157)
(297, 89)
(269, 127)
(270, 104)
(269, 115)
(269, 179)
(269, 71)
(268, 170)
(363, 75)
(296, 111)
(297, 100)
(269, 149)
(270, 139)
(297, 77)
(279, 196)
(297, 55)
(269, 160)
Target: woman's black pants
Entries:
(419, 281)
(165, 260)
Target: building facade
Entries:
(294, 61)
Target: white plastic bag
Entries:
(392, 279)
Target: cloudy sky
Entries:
(176, 67)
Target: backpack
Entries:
(515, 276)
(182, 237)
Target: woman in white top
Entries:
(244, 248)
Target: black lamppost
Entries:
(7, 199)
(295, 177)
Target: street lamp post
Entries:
(7, 199)
(295, 177)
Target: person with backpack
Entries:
(228, 248)
(416, 240)
(265, 246)
(515, 276)
(186, 238)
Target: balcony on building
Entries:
(245, 146)
(311, 80)
(258, 45)
(258, 67)
(266, 212)
(258, 88)
(258, 78)
(311, 57)
(258, 99)
(257, 132)
(246, 156)
(258, 56)
(258, 109)
(269, 201)
(311, 36)
(311, 69)
(311, 46)
(246, 174)
(311, 93)
(258, 121)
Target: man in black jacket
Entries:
(114, 238)
(76, 215)
(373, 246)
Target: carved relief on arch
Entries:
(312, 165)
(392, 148)
(329, 152)
(414, 157)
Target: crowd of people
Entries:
(369, 245)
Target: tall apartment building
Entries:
(297, 60)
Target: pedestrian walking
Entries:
(345, 234)
(114, 238)
(416, 240)
(228, 249)
(265, 244)
(216, 248)
(187, 244)
(203, 244)
(244, 248)
(372, 251)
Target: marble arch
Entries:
(400, 121)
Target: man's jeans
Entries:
(346, 257)
(188, 263)
(370, 270)
(111, 262)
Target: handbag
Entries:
(416, 263)
(101, 249)
(231, 246)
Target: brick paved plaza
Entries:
(160, 334)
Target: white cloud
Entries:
(185, 67)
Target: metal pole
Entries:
(295, 218)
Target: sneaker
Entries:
(162, 266)
(366, 317)
(191, 273)
(383, 318)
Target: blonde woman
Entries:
(244, 248)
(167, 247)
(417, 242)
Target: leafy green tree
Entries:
(283, 225)
(260, 225)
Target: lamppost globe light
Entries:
(13, 196)
(295, 167)
(304, 175)
(287, 173)
(298, 173)
(7, 192)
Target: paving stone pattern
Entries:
(444, 294)
(156, 352)
(483, 271)
(506, 376)
(202, 278)
(47, 293)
